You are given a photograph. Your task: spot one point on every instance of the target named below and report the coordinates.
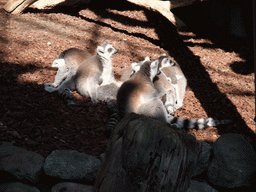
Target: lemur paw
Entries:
(171, 109)
(49, 87)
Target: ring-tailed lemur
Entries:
(171, 84)
(92, 72)
(67, 64)
(138, 95)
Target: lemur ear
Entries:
(147, 59)
(104, 43)
(100, 49)
(165, 63)
(135, 67)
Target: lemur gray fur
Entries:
(67, 64)
(138, 95)
(107, 93)
(93, 72)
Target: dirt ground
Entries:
(218, 67)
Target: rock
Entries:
(71, 165)
(144, 154)
(234, 162)
(17, 187)
(71, 187)
(204, 159)
(24, 165)
(196, 186)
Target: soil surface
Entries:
(218, 67)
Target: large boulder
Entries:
(72, 165)
(234, 162)
(24, 165)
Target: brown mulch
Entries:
(219, 69)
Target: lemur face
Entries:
(106, 50)
(167, 62)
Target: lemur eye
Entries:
(110, 50)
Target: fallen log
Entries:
(145, 154)
(17, 6)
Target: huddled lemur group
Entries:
(152, 88)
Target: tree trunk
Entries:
(145, 154)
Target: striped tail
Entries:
(113, 121)
(67, 96)
(202, 123)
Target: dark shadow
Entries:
(39, 121)
(243, 68)
(198, 18)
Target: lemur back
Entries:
(92, 72)
(137, 90)
(67, 64)
(129, 72)
(138, 94)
